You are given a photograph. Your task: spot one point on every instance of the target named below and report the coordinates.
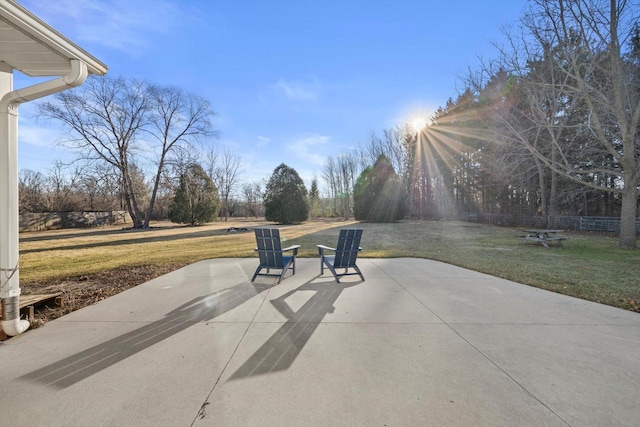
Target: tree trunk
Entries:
(130, 200)
(542, 185)
(553, 197)
(628, 215)
(154, 192)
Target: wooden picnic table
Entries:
(544, 236)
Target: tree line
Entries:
(76, 187)
(550, 127)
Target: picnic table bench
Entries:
(544, 237)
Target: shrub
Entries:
(196, 199)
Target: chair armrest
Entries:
(322, 248)
(293, 248)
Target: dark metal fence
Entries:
(601, 224)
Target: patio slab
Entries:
(418, 343)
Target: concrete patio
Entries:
(419, 343)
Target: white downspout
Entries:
(9, 219)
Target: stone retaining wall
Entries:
(56, 220)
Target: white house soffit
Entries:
(30, 45)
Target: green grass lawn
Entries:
(586, 266)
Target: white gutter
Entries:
(9, 220)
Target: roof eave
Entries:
(41, 32)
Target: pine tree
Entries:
(378, 194)
(314, 199)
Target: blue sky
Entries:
(290, 81)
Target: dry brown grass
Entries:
(56, 254)
(91, 264)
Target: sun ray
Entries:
(443, 157)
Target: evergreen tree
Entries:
(285, 198)
(379, 194)
(196, 199)
(314, 199)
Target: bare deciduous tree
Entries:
(31, 188)
(225, 169)
(340, 174)
(105, 117)
(118, 121)
(580, 86)
(348, 171)
(177, 120)
(62, 184)
(252, 193)
(331, 178)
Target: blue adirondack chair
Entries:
(271, 253)
(344, 255)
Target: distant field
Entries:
(587, 266)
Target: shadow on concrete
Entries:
(282, 348)
(82, 365)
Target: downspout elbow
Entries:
(12, 325)
(76, 77)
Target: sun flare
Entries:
(418, 123)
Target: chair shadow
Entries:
(283, 347)
(82, 365)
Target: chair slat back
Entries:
(347, 248)
(269, 247)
